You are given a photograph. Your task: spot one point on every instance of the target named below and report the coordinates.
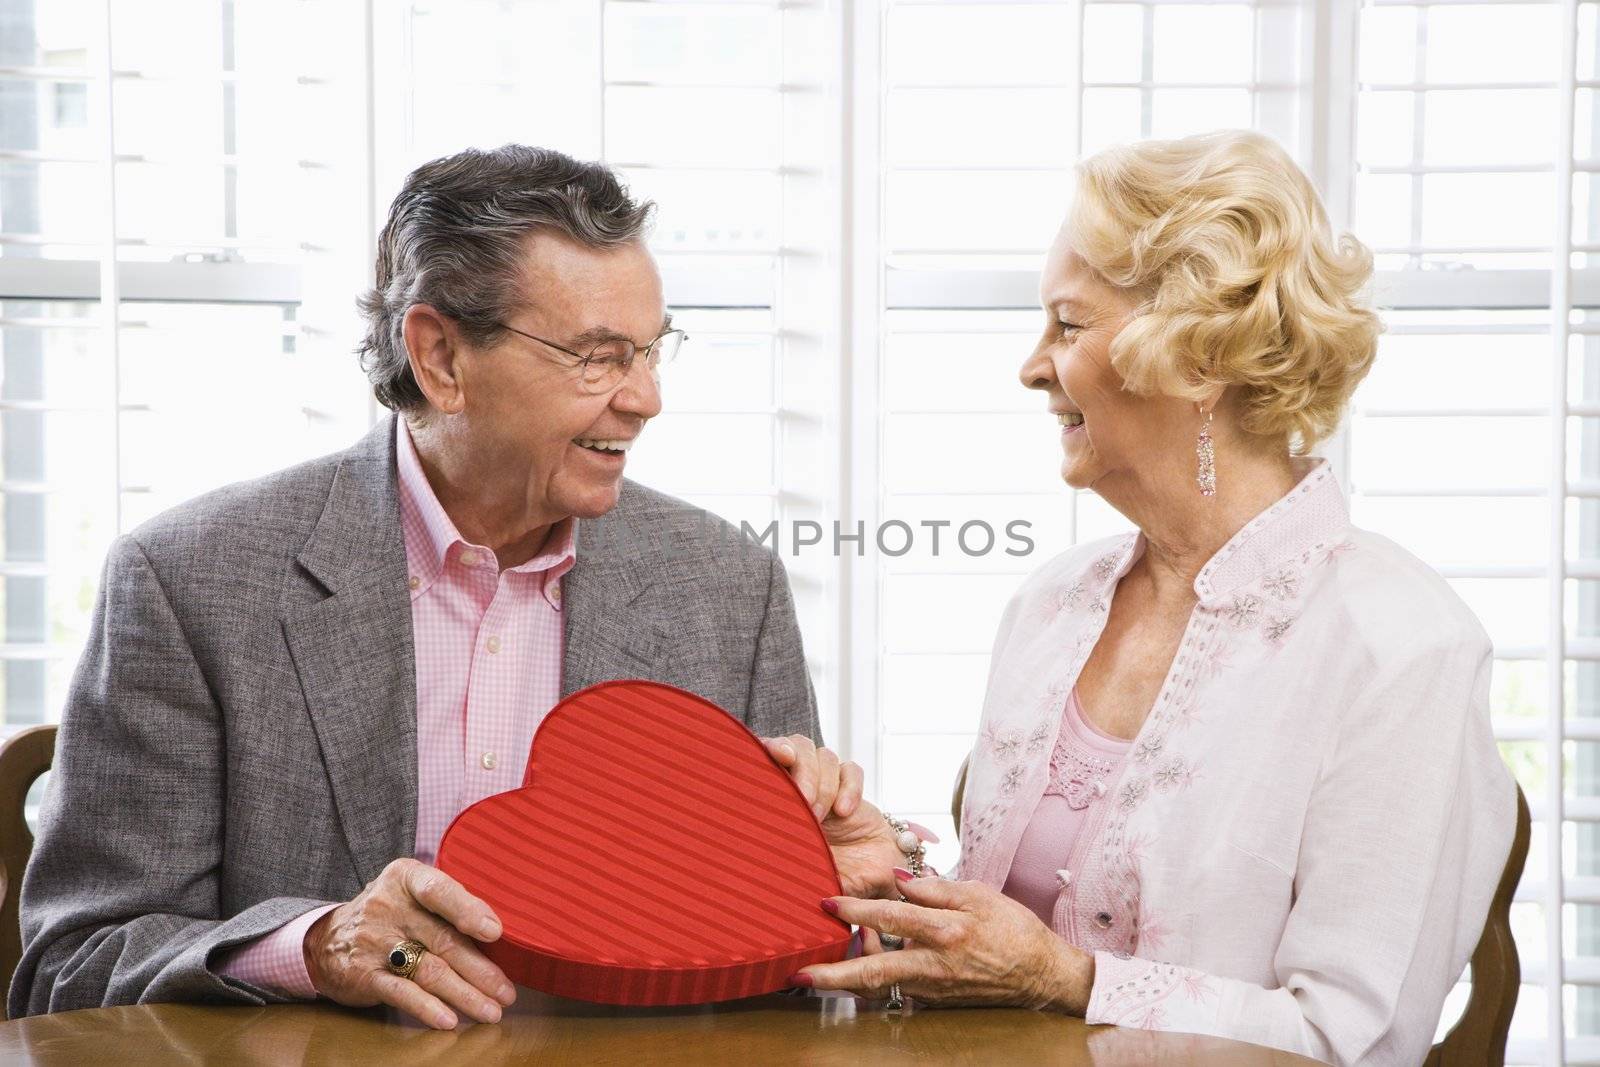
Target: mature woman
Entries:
(1235, 773)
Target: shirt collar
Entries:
(1312, 513)
(430, 534)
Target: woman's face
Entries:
(1108, 435)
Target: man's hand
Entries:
(347, 949)
(864, 851)
(862, 841)
(830, 785)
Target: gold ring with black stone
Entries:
(405, 957)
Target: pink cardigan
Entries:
(1304, 841)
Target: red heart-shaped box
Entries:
(655, 854)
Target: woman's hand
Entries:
(972, 945)
(862, 841)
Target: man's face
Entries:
(528, 414)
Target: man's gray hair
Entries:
(455, 240)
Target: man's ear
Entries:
(433, 345)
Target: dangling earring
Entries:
(1205, 453)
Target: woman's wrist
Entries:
(1073, 980)
(912, 850)
(884, 883)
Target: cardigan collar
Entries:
(1311, 514)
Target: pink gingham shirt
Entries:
(488, 646)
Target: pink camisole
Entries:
(1083, 770)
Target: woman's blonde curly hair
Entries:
(1240, 278)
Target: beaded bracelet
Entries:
(907, 841)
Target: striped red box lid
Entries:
(655, 854)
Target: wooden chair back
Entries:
(23, 759)
(1478, 1039)
(1479, 1036)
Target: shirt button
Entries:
(555, 592)
(489, 761)
(1064, 876)
(494, 645)
(415, 581)
(469, 558)
(1103, 920)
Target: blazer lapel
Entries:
(610, 631)
(354, 654)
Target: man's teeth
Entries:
(605, 446)
(1069, 418)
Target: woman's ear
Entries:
(1208, 401)
(434, 349)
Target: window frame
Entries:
(835, 287)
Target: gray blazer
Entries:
(239, 742)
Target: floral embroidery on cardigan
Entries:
(1150, 933)
(1197, 987)
(1071, 596)
(1243, 611)
(977, 827)
(1152, 1018)
(1218, 661)
(1137, 1001)
(1275, 629)
(1175, 774)
(1147, 749)
(1282, 584)
(1121, 854)
(1187, 715)
(1327, 552)
(1136, 846)
(1006, 745)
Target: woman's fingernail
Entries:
(444, 1021)
(489, 930)
(786, 748)
(802, 980)
(903, 874)
(830, 906)
(508, 995)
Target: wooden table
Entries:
(771, 1029)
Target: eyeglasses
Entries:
(608, 363)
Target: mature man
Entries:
(294, 684)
